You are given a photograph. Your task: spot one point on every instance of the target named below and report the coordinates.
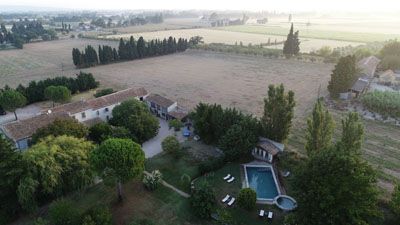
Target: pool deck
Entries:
(276, 174)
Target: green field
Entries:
(311, 32)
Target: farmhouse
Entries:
(267, 149)
(85, 111)
(165, 108)
(367, 68)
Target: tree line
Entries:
(25, 31)
(34, 92)
(129, 50)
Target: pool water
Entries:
(262, 181)
(286, 203)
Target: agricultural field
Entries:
(195, 75)
(340, 29)
(232, 37)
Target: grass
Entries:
(310, 32)
(173, 169)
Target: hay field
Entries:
(41, 60)
(230, 37)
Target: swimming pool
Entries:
(262, 179)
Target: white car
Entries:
(196, 137)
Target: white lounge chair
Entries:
(230, 180)
(227, 177)
(226, 198)
(262, 213)
(230, 203)
(270, 215)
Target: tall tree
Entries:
(11, 100)
(141, 46)
(320, 127)
(117, 161)
(343, 76)
(54, 166)
(61, 127)
(278, 113)
(10, 173)
(342, 184)
(59, 94)
(292, 44)
(352, 133)
(135, 116)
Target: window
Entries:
(153, 105)
(108, 118)
(83, 115)
(98, 113)
(141, 99)
(106, 109)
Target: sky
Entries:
(252, 5)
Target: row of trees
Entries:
(34, 92)
(128, 50)
(25, 31)
(235, 133)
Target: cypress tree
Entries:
(141, 47)
(292, 44)
(343, 76)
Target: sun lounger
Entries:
(227, 177)
(262, 212)
(270, 215)
(230, 180)
(286, 174)
(226, 198)
(230, 203)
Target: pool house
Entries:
(266, 149)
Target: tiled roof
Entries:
(160, 100)
(270, 146)
(21, 129)
(101, 102)
(368, 65)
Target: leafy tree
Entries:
(176, 124)
(59, 94)
(117, 161)
(343, 76)
(100, 132)
(247, 198)
(10, 172)
(59, 127)
(395, 202)
(86, 81)
(237, 142)
(135, 116)
(53, 167)
(391, 62)
(392, 48)
(320, 127)
(278, 113)
(62, 212)
(202, 200)
(292, 44)
(11, 100)
(352, 133)
(153, 180)
(171, 145)
(343, 184)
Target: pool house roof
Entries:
(272, 147)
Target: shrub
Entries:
(99, 132)
(40, 221)
(153, 180)
(211, 165)
(202, 201)
(99, 215)
(62, 212)
(103, 92)
(176, 124)
(171, 145)
(247, 198)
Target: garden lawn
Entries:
(221, 188)
(173, 169)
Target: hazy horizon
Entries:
(250, 5)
